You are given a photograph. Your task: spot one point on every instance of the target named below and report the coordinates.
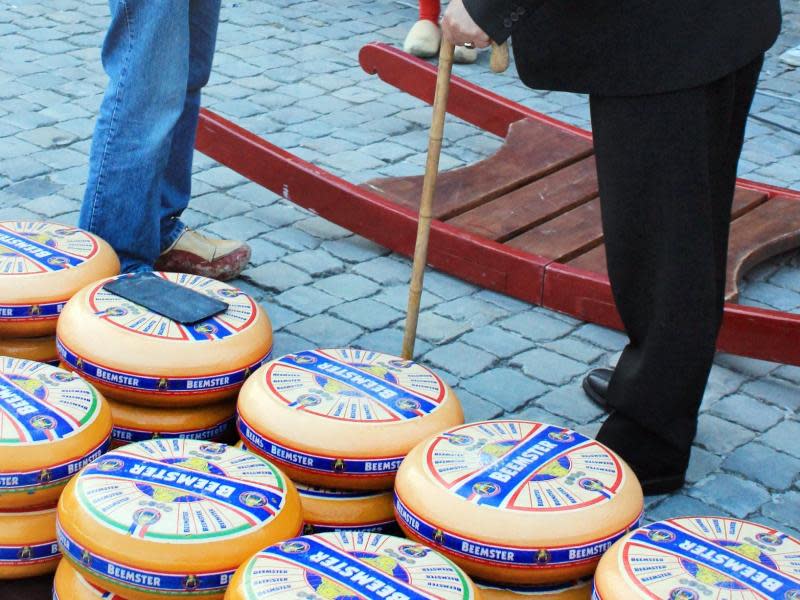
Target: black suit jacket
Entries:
(629, 47)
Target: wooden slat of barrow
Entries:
(746, 200)
(566, 236)
(769, 229)
(533, 204)
(531, 150)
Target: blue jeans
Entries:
(158, 55)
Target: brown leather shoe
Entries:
(200, 255)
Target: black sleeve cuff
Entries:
(498, 17)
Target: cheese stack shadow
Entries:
(163, 378)
(52, 423)
(41, 266)
(339, 422)
(525, 508)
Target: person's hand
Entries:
(459, 29)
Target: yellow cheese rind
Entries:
(28, 544)
(337, 510)
(517, 502)
(41, 266)
(722, 557)
(69, 584)
(577, 590)
(140, 521)
(343, 418)
(139, 357)
(39, 349)
(132, 423)
(350, 565)
(52, 423)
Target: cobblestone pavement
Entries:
(287, 69)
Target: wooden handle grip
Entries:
(499, 60)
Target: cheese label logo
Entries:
(34, 247)
(524, 466)
(355, 385)
(347, 565)
(24, 556)
(40, 403)
(692, 558)
(181, 491)
(240, 314)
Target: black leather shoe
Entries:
(595, 384)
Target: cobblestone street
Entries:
(288, 70)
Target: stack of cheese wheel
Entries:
(691, 558)
(571, 590)
(340, 422)
(173, 518)
(41, 266)
(164, 378)
(517, 502)
(350, 565)
(52, 423)
(69, 584)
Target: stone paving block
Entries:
(447, 287)
(328, 145)
(264, 251)
(348, 286)
(287, 343)
(13, 147)
(549, 366)
(576, 349)
(314, 262)
(277, 215)
(681, 505)
(499, 342)
(367, 313)
(280, 316)
(735, 495)
(48, 137)
(34, 188)
(470, 310)
(326, 331)
(322, 228)
(384, 270)
(293, 238)
(51, 206)
(60, 158)
(354, 249)
(782, 394)
(237, 228)
(701, 464)
(16, 213)
(307, 300)
(291, 115)
(789, 373)
(277, 276)
(785, 437)
(602, 336)
(745, 365)
(351, 161)
(720, 436)
(535, 412)
(23, 167)
(505, 387)
(762, 464)
(460, 359)
(747, 411)
(220, 177)
(439, 330)
(390, 341)
(536, 326)
(785, 509)
(570, 402)
(397, 297)
(219, 205)
(476, 408)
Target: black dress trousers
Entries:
(666, 166)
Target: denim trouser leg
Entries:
(176, 184)
(146, 56)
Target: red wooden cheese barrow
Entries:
(525, 221)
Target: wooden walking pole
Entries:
(499, 63)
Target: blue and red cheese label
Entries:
(709, 557)
(353, 565)
(355, 385)
(35, 550)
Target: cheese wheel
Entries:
(52, 423)
(138, 423)
(70, 585)
(39, 349)
(140, 357)
(350, 565)
(693, 558)
(325, 510)
(574, 590)
(41, 266)
(28, 544)
(517, 502)
(173, 518)
(343, 418)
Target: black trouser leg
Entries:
(666, 165)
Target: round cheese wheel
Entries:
(517, 502)
(326, 510)
(574, 590)
(343, 418)
(69, 584)
(694, 558)
(28, 544)
(52, 423)
(39, 349)
(138, 423)
(173, 518)
(350, 565)
(41, 266)
(140, 357)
